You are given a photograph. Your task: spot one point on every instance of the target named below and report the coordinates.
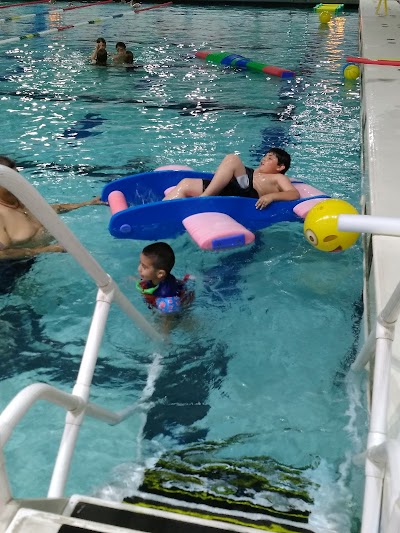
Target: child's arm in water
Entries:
(23, 253)
(65, 208)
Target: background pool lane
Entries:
(264, 347)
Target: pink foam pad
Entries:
(306, 190)
(117, 201)
(303, 208)
(173, 167)
(215, 231)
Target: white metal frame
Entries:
(382, 454)
(76, 404)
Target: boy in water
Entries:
(101, 58)
(100, 45)
(267, 182)
(128, 59)
(118, 58)
(159, 287)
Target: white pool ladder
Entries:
(77, 403)
(381, 507)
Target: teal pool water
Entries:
(262, 361)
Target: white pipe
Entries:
(393, 453)
(377, 226)
(24, 400)
(81, 389)
(5, 490)
(111, 417)
(374, 473)
(389, 226)
(390, 312)
(366, 352)
(93, 342)
(137, 317)
(394, 519)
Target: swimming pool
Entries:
(262, 363)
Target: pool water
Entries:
(261, 361)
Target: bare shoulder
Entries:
(284, 181)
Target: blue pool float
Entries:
(214, 222)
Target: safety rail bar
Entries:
(77, 403)
(382, 455)
(30, 395)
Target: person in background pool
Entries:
(267, 183)
(21, 234)
(100, 45)
(118, 58)
(101, 58)
(128, 61)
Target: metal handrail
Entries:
(30, 395)
(77, 404)
(380, 450)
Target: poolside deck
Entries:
(380, 39)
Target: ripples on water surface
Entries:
(262, 363)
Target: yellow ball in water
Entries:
(324, 17)
(321, 226)
(351, 72)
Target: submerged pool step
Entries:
(36, 521)
(83, 514)
(166, 515)
(138, 518)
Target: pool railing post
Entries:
(5, 490)
(81, 389)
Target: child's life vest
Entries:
(168, 296)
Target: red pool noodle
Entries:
(25, 4)
(365, 61)
(89, 5)
(278, 71)
(153, 7)
(202, 54)
(117, 202)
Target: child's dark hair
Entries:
(101, 40)
(120, 44)
(101, 57)
(128, 57)
(7, 162)
(282, 156)
(161, 254)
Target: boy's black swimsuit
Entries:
(241, 186)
